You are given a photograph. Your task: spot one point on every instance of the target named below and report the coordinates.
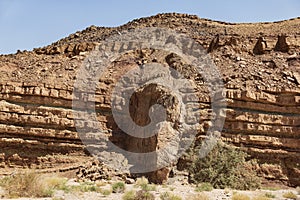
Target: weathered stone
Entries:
(282, 44)
(214, 44)
(260, 46)
(296, 75)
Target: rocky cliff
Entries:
(260, 68)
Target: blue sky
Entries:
(26, 24)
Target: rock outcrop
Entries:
(260, 46)
(282, 44)
(37, 122)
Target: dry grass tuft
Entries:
(31, 184)
(169, 196)
(199, 196)
(289, 195)
(239, 196)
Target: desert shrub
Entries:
(144, 195)
(261, 198)
(239, 196)
(100, 183)
(105, 192)
(31, 184)
(49, 184)
(130, 195)
(225, 166)
(86, 187)
(21, 185)
(270, 195)
(199, 196)
(143, 183)
(149, 187)
(289, 195)
(169, 196)
(204, 187)
(271, 188)
(118, 187)
(58, 198)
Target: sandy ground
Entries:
(184, 191)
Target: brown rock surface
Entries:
(282, 44)
(37, 125)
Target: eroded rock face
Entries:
(37, 124)
(260, 46)
(282, 44)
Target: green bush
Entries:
(225, 166)
(118, 187)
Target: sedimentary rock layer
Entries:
(262, 91)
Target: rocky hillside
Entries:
(260, 68)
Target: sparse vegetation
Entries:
(34, 185)
(261, 198)
(270, 195)
(130, 195)
(143, 183)
(239, 196)
(169, 196)
(50, 184)
(199, 196)
(223, 167)
(204, 187)
(271, 188)
(139, 195)
(149, 187)
(58, 198)
(31, 184)
(100, 183)
(105, 192)
(289, 195)
(118, 187)
(86, 187)
(144, 195)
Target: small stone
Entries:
(290, 79)
(129, 181)
(296, 75)
(44, 69)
